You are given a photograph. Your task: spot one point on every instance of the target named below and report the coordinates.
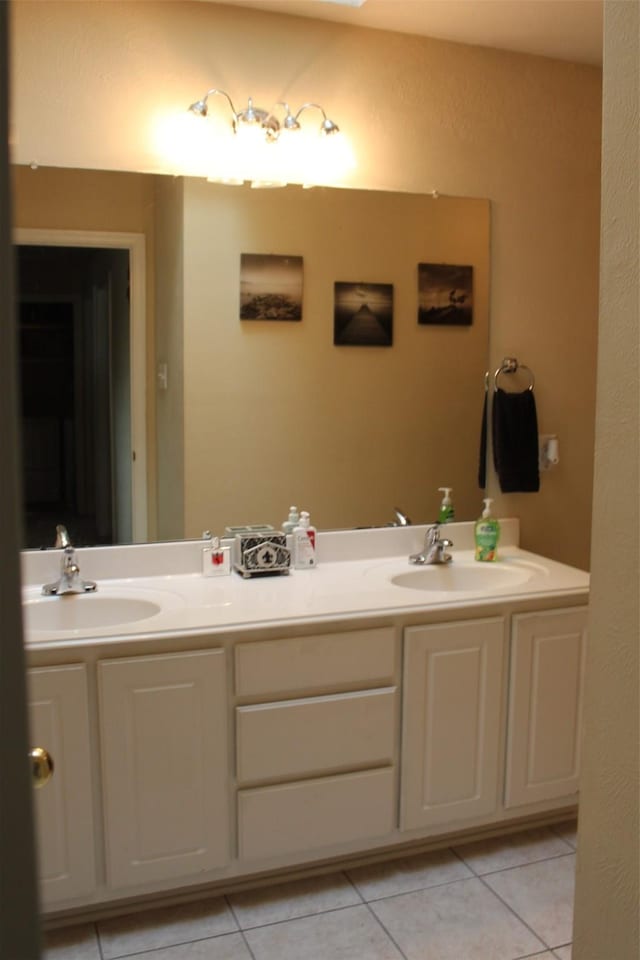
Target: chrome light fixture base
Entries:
(266, 120)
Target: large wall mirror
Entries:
(336, 399)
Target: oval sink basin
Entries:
(86, 611)
(463, 578)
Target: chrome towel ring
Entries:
(511, 365)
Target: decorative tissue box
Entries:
(250, 528)
(257, 554)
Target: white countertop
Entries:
(353, 579)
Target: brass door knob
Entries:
(41, 766)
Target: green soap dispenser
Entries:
(446, 513)
(487, 534)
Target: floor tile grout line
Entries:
(227, 900)
(323, 913)
(532, 956)
(459, 857)
(385, 931)
(378, 899)
(170, 946)
(247, 944)
(526, 956)
(353, 885)
(556, 830)
(561, 946)
(480, 877)
(98, 941)
(517, 915)
(476, 876)
(303, 916)
(516, 866)
(529, 863)
(405, 893)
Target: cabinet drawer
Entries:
(305, 664)
(296, 817)
(299, 738)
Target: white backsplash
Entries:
(185, 556)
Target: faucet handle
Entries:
(62, 537)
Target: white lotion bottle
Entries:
(304, 544)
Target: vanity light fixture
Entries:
(266, 121)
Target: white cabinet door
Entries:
(545, 705)
(453, 692)
(163, 723)
(59, 722)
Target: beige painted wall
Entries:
(421, 114)
(607, 910)
(276, 414)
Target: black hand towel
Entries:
(482, 460)
(515, 441)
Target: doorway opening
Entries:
(77, 364)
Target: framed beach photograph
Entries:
(363, 314)
(270, 287)
(445, 294)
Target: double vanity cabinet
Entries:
(207, 757)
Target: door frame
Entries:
(135, 244)
(19, 924)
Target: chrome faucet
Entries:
(62, 537)
(434, 548)
(402, 520)
(70, 580)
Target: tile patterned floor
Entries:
(505, 899)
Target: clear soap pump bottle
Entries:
(487, 534)
(292, 520)
(446, 513)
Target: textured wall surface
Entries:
(607, 893)
(93, 81)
